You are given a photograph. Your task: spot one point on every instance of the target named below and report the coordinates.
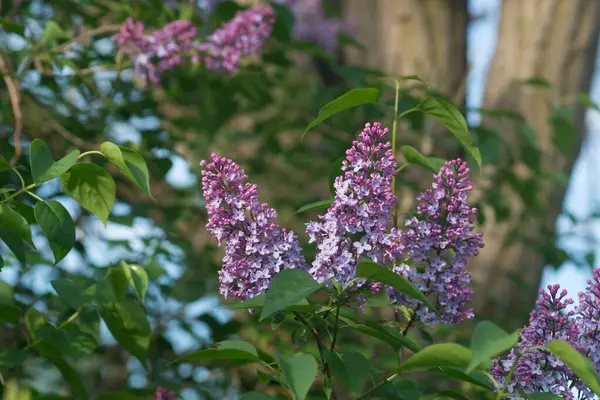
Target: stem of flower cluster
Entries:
(320, 347)
(335, 326)
(508, 378)
(385, 381)
(394, 132)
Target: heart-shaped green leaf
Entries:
(58, 227)
(43, 166)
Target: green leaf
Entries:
(287, 288)
(15, 223)
(489, 340)
(1, 262)
(78, 390)
(58, 227)
(538, 81)
(33, 321)
(118, 277)
(335, 170)
(393, 338)
(53, 31)
(25, 210)
(317, 205)
(438, 355)
(413, 156)
(127, 322)
(353, 369)
(72, 293)
(476, 378)
(12, 357)
(70, 342)
(43, 166)
(138, 279)
(4, 165)
(12, 27)
(298, 373)
(579, 364)
(353, 98)
(6, 293)
(448, 394)
(541, 396)
(89, 322)
(449, 116)
(225, 350)
(254, 395)
(10, 313)
(92, 187)
(130, 163)
(375, 272)
(259, 301)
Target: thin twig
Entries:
(86, 35)
(413, 317)
(13, 91)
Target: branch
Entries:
(13, 91)
(87, 35)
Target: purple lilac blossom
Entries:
(312, 25)
(240, 37)
(154, 54)
(441, 237)
(256, 248)
(163, 394)
(362, 207)
(537, 370)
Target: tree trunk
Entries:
(555, 40)
(412, 37)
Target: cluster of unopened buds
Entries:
(156, 52)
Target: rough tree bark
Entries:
(554, 39)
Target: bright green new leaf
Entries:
(438, 355)
(43, 166)
(375, 272)
(317, 205)
(92, 187)
(353, 98)
(226, 350)
(579, 364)
(69, 342)
(353, 369)
(286, 289)
(15, 223)
(489, 340)
(53, 31)
(413, 156)
(127, 322)
(298, 373)
(77, 387)
(449, 116)
(130, 163)
(254, 395)
(58, 227)
(12, 357)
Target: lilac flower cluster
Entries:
(163, 394)
(255, 247)
(157, 52)
(442, 238)
(539, 371)
(361, 209)
(312, 25)
(242, 36)
(161, 50)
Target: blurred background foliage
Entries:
(76, 94)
